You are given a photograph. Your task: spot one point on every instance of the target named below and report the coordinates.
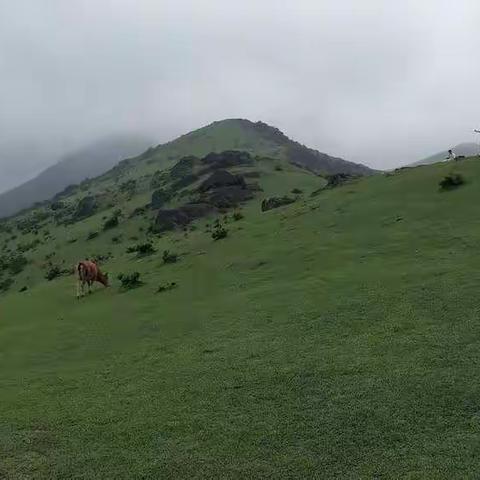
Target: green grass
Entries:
(334, 338)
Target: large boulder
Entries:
(183, 167)
(179, 217)
(275, 202)
(222, 178)
(228, 158)
(227, 197)
(184, 182)
(86, 207)
(159, 198)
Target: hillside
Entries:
(233, 134)
(335, 337)
(467, 149)
(87, 162)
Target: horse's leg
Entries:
(89, 286)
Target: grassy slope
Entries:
(336, 338)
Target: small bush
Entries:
(100, 258)
(141, 249)
(169, 257)
(117, 239)
(166, 287)
(23, 289)
(297, 191)
(237, 216)
(451, 181)
(53, 272)
(131, 280)
(112, 222)
(219, 233)
(278, 168)
(92, 235)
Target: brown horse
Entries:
(88, 273)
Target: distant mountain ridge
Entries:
(467, 149)
(88, 162)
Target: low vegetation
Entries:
(142, 249)
(166, 287)
(451, 181)
(219, 233)
(130, 280)
(317, 341)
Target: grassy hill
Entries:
(88, 162)
(335, 337)
(232, 134)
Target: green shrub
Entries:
(169, 257)
(237, 216)
(92, 235)
(297, 191)
(219, 233)
(53, 272)
(142, 249)
(451, 181)
(131, 280)
(112, 222)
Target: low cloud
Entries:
(383, 83)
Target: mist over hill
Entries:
(257, 138)
(88, 162)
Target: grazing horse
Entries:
(88, 272)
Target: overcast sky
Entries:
(381, 82)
